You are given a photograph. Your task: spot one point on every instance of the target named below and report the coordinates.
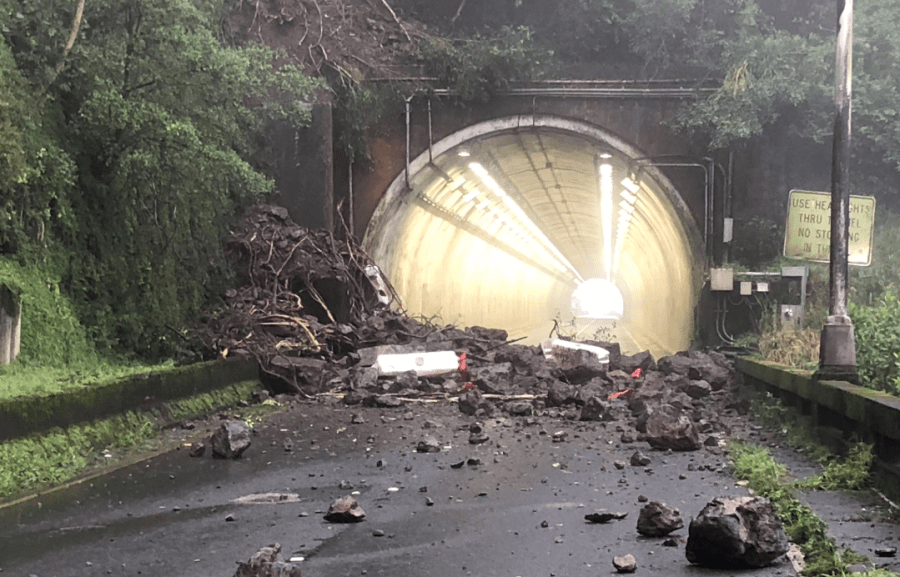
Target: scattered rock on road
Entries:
(266, 563)
(428, 445)
(345, 510)
(230, 440)
(670, 428)
(625, 564)
(604, 517)
(736, 532)
(658, 519)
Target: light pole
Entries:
(837, 353)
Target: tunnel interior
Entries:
(527, 225)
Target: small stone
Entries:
(345, 510)
(378, 533)
(619, 464)
(357, 419)
(638, 459)
(670, 542)
(604, 517)
(642, 499)
(560, 436)
(886, 551)
(198, 449)
(429, 501)
(658, 519)
(428, 445)
(544, 524)
(625, 564)
(229, 518)
(345, 486)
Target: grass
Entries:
(767, 478)
(19, 380)
(59, 455)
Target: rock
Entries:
(638, 459)
(520, 408)
(357, 419)
(698, 389)
(670, 542)
(365, 378)
(477, 435)
(595, 409)
(471, 401)
(198, 449)
(493, 379)
(230, 440)
(675, 364)
(383, 401)
(669, 428)
(625, 564)
(643, 360)
(604, 517)
(658, 519)
(736, 532)
(266, 563)
(619, 464)
(886, 551)
(560, 394)
(428, 445)
(560, 436)
(345, 510)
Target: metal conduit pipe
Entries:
(408, 115)
(596, 92)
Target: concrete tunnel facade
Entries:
(502, 223)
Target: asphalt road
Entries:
(519, 513)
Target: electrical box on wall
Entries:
(721, 279)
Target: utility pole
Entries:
(837, 353)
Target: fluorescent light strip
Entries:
(547, 245)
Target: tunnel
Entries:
(542, 226)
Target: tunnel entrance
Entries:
(528, 222)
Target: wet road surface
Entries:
(519, 513)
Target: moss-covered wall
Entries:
(23, 416)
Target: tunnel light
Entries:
(464, 153)
(629, 198)
(457, 183)
(484, 205)
(559, 260)
(606, 215)
(606, 156)
(597, 298)
(630, 185)
(471, 195)
(629, 208)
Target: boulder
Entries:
(657, 519)
(736, 532)
(697, 389)
(345, 510)
(471, 401)
(493, 379)
(266, 563)
(595, 409)
(560, 394)
(668, 427)
(643, 360)
(230, 440)
(675, 364)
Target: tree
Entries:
(162, 122)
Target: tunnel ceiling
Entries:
(500, 229)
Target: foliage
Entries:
(766, 477)
(51, 334)
(792, 348)
(878, 342)
(159, 123)
(476, 68)
(850, 474)
(56, 456)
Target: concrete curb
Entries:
(872, 416)
(23, 416)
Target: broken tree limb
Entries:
(397, 20)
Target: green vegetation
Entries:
(767, 478)
(59, 455)
(125, 158)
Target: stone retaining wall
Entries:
(856, 412)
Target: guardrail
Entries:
(856, 412)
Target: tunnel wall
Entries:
(642, 123)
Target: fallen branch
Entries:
(397, 20)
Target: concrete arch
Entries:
(502, 236)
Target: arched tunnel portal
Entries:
(520, 222)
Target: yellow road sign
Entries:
(807, 235)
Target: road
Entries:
(519, 513)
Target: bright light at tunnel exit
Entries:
(597, 298)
